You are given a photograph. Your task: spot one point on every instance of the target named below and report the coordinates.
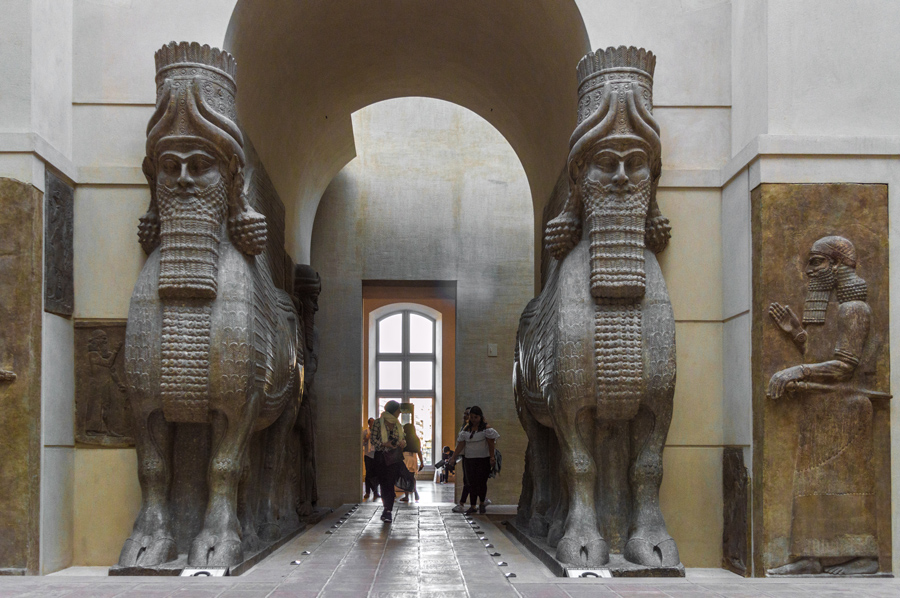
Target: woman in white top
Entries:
(477, 439)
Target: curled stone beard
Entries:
(817, 294)
(190, 227)
(617, 223)
(189, 241)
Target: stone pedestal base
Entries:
(616, 567)
(174, 568)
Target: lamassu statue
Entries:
(594, 373)
(210, 339)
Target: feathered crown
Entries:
(195, 97)
(615, 103)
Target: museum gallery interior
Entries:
(651, 240)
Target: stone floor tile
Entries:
(585, 590)
(540, 591)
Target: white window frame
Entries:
(373, 317)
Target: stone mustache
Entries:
(594, 373)
(210, 339)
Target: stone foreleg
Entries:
(649, 542)
(219, 543)
(274, 453)
(581, 544)
(151, 542)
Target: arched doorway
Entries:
(305, 68)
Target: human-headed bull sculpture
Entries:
(210, 339)
(594, 373)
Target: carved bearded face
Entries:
(191, 192)
(619, 171)
(821, 273)
(615, 191)
(186, 173)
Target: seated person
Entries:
(447, 468)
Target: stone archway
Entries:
(304, 67)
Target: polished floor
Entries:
(427, 552)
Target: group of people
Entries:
(393, 455)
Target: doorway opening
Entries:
(409, 356)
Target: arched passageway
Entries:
(305, 66)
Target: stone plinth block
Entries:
(821, 370)
(21, 234)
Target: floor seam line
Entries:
(341, 562)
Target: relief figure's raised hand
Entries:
(788, 321)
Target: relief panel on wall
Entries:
(59, 290)
(102, 416)
(821, 380)
(21, 236)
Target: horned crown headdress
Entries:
(195, 101)
(615, 101)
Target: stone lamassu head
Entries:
(614, 167)
(195, 168)
(831, 266)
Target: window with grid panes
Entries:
(405, 369)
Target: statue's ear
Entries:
(148, 225)
(246, 227)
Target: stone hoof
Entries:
(859, 566)
(644, 552)
(580, 553)
(208, 550)
(269, 532)
(555, 534)
(147, 551)
(801, 567)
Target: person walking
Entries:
(369, 449)
(461, 507)
(389, 440)
(477, 440)
(413, 449)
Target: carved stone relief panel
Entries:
(821, 371)
(102, 415)
(59, 290)
(736, 508)
(21, 228)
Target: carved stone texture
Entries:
(307, 286)
(594, 370)
(820, 379)
(21, 234)
(214, 351)
(59, 288)
(102, 414)
(736, 501)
